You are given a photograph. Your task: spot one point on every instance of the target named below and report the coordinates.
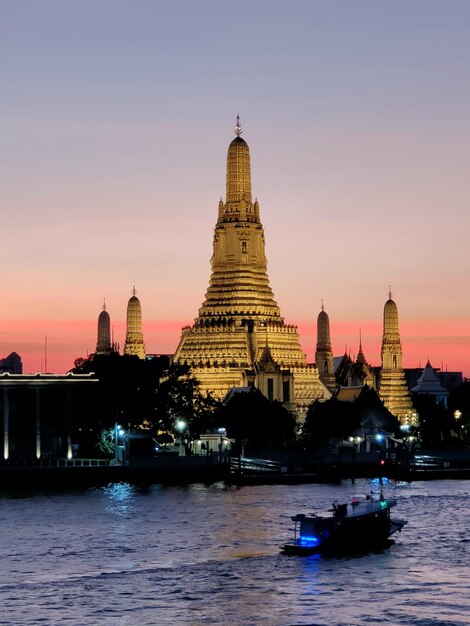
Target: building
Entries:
(239, 337)
(351, 373)
(41, 414)
(134, 344)
(393, 389)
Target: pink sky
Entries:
(446, 348)
(115, 127)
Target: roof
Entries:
(429, 383)
(348, 394)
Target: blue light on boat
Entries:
(309, 541)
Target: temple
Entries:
(134, 344)
(323, 352)
(393, 389)
(239, 338)
(103, 344)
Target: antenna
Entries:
(45, 354)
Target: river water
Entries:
(122, 555)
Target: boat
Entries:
(362, 525)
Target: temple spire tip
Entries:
(238, 128)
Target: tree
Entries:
(181, 407)
(256, 422)
(459, 407)
(437, 425)
(126, 388)
(329, 421)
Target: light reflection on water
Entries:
(210, 555)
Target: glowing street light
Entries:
(118, 432)
(180, 425)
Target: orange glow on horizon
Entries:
(445, 344)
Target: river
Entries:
(123, 555)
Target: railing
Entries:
(424, 463)
(46, 463)
(248, 467)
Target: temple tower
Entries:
(134, 338)
(103, 344)
(239, 324)
(323, 352)
(393, 389)
(367, 373)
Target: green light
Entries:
(383, 504)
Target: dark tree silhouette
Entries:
(437, 425)
(257, 423)
(326, 422)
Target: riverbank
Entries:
(177, 471)
(200, 469)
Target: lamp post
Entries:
(118, 432)
(180, 427)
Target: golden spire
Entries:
(238, 173)
(323, 353)
(393, 389)
(134, 344)
(239, 284)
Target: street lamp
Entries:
(355, 440)
(118, 432)
(180, 427)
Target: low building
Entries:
(41, 414)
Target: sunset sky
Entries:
(116, 117)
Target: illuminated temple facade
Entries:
(393, 389)
(239, 338)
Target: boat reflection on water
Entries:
(360, 526)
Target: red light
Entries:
(382, 462)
